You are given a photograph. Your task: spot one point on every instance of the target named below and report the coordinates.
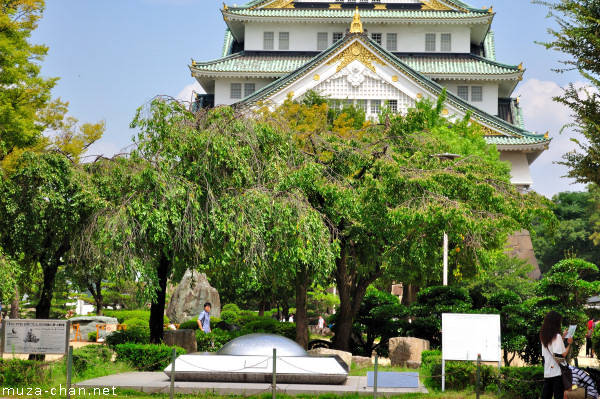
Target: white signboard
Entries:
(35, 336)
(464, 336)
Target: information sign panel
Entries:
(35, 336)
(464, 336)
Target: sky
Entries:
(113, 56)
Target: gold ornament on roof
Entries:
(356, 51)
(356, 26)
(520, 66)
(336, 6)
(546, 135)
(491, 10)
(380, 7)
(224, 6)
(435, 5)
(281, 4)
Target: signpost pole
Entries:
(375, 377)
(443, 374)
(69, 371)
(173, 358)
(445, 277)
(274, 386)
(478, 373)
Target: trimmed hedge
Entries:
(147, 357)
(137, 335)
(214, 340)
(136, 323)
(90, 355)
(122, 315)
(269, 325)
(522, 382)
(20, 373)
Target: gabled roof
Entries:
(276, 63)
(496, 129)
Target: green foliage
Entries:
(213, 341)
(513, 322)
(123, 315)
(271, 326)
(381, 315)
(90, 356)
(92, 336)
(522, 382)
(426, 312)
(146, 357)
(230, 307)
(20, 373)
(229, 316)
(135, 323)
(575, 212)
(136, 335)
(190, 324)
(459, 375)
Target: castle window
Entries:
(268, 40)
(391, 42)
(249, 88)
(322, 40)
(375, 106)
(476, 93)
(284, 40)
(362, 104)
(376, 38)
(463, 92)
(337, 36)
(430, 42)
(393, 106)
(446, 42)
(236, 90)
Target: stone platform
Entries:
(158, 382)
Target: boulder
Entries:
(87, 324)
(185, 339)
(345, 356)
(411, 364)
(404, 349)
(189, 297)
(361, 360)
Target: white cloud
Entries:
(186, 93)
(542, 114)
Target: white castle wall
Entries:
(303, 37)
(490, 93)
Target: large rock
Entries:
(345, 356)
(185, 339)
(87, 324)
(190, 296)
(404, 349)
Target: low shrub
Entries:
(147, 357)
(122, 315)
(230, 307)
(134, 335)
(213, 341)
(130, 323)
(92, 336)
(19, 373)
(522, 382)
(229, 316)
(459, 375)
(269, 325)
(89, 356)
(189, 325)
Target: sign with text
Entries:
(464, 336)
(35, 336)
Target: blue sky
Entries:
(112, 56)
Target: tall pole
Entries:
(445, 278)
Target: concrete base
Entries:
(158, 382)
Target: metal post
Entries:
(69, 371)
(478, 373)
(375, 376)
(443, 374)
(173, 358)
(274, 386)
(445, 277)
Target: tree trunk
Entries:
(409, 294)
(301, 309)
(96, 291)
(42, 309)
(261, 307)
(285, 310)
(14, 306)
(343, 324)
(157, 307)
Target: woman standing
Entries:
(552, 342)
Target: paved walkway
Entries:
(158, 382)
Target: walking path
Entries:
(158, 382)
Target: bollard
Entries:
(478, 373)
(273, 387)
(375, 376)
(173, 358)
(69, 371)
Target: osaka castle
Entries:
(374, 53)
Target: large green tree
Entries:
(575, 212)
(387, 196)
(578, 36)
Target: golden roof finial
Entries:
(356, 26)
(520, 66)
(224, 6)
(546, 135)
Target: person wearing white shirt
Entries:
(552, 342)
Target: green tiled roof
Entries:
(504, 140)
(348, 14)
(489, 46)
(276, 63)
(227, 43)
(523, 136)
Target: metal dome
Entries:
(262, 345)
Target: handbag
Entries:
(565, 371)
